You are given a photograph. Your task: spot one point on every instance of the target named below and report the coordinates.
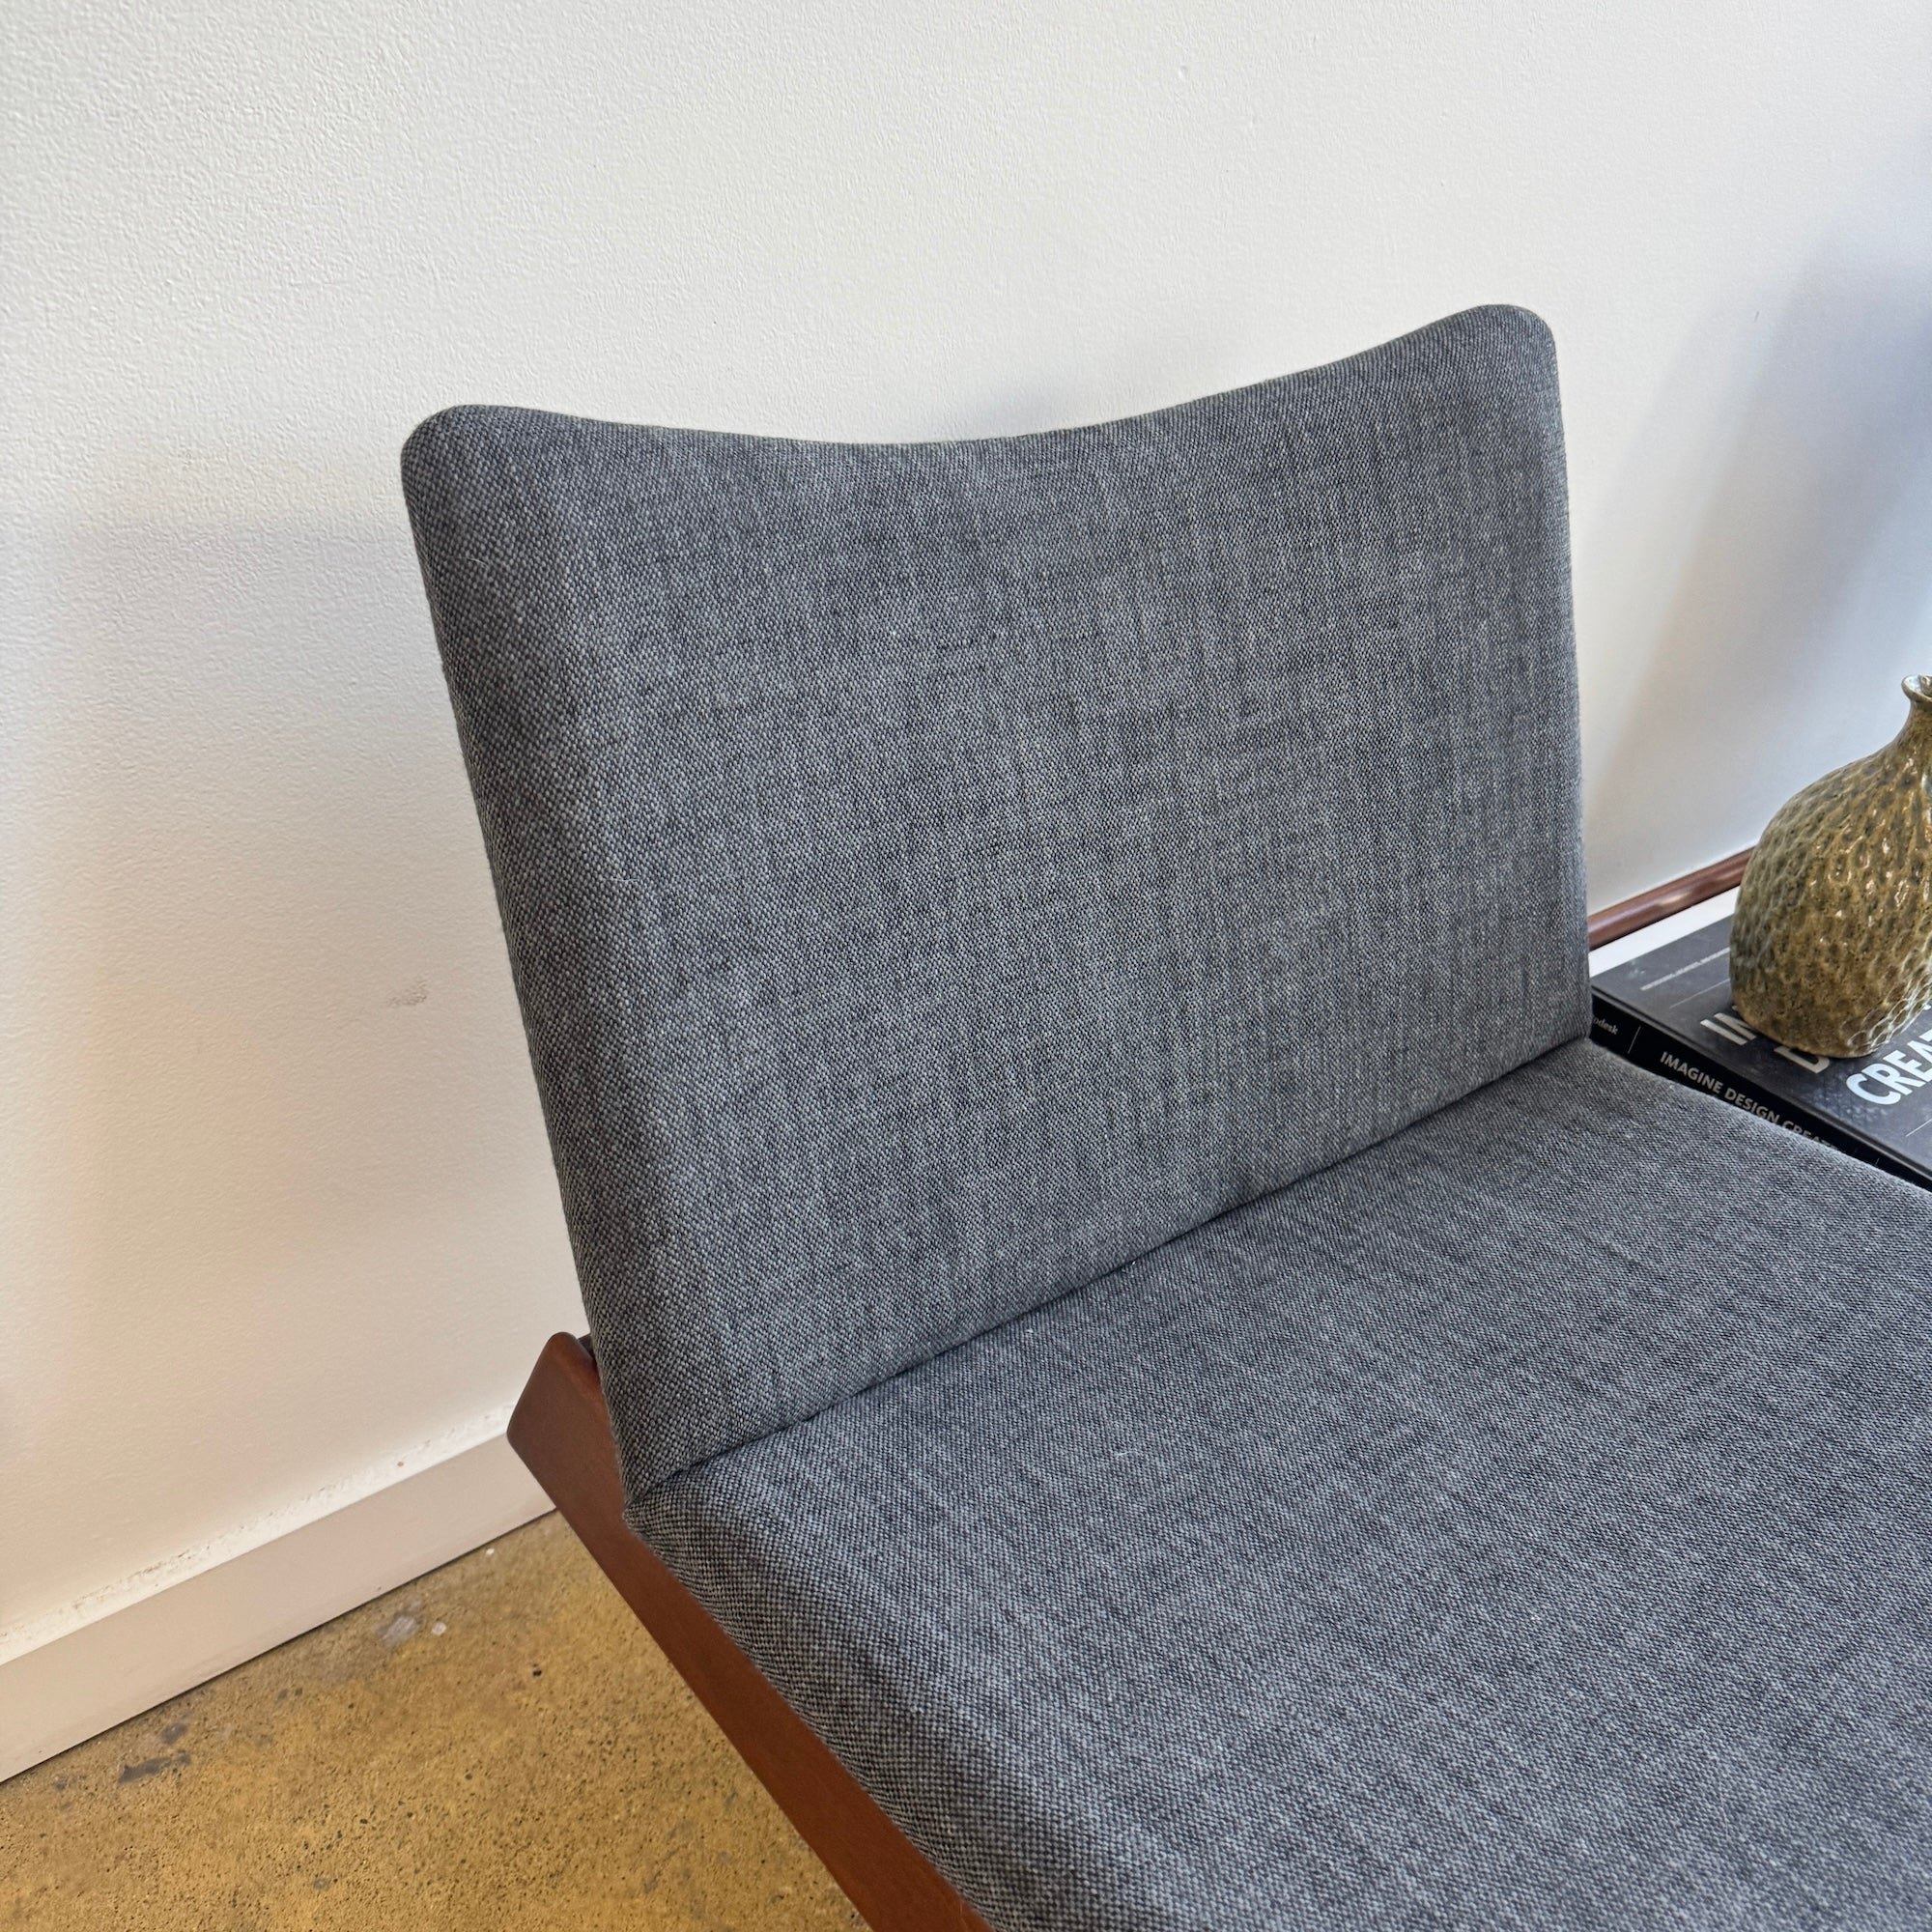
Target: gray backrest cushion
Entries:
(937, 875)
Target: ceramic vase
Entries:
(1831, 941)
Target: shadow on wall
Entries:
(293, 1203)
(1807, 594)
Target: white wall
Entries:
(277, 1210)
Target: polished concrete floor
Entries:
(497, 1745)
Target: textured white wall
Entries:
(276, 1205)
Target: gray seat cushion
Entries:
(1526, 1522)
(936, 875)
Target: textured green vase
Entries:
(1832, 942)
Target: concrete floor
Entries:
(497, 1746)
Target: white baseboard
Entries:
(192, 1620)
(1648, 938)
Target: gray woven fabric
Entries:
(1526, 1523)
(937, 875)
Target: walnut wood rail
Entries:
(562, 1430)
(1632, 915)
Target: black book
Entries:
(1671, 1010)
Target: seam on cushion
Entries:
(632, 1507)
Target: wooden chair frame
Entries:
(562, 1429)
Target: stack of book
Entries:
(1671, 1010)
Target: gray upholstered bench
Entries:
(1055, 970)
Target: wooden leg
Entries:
(562, 1430)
